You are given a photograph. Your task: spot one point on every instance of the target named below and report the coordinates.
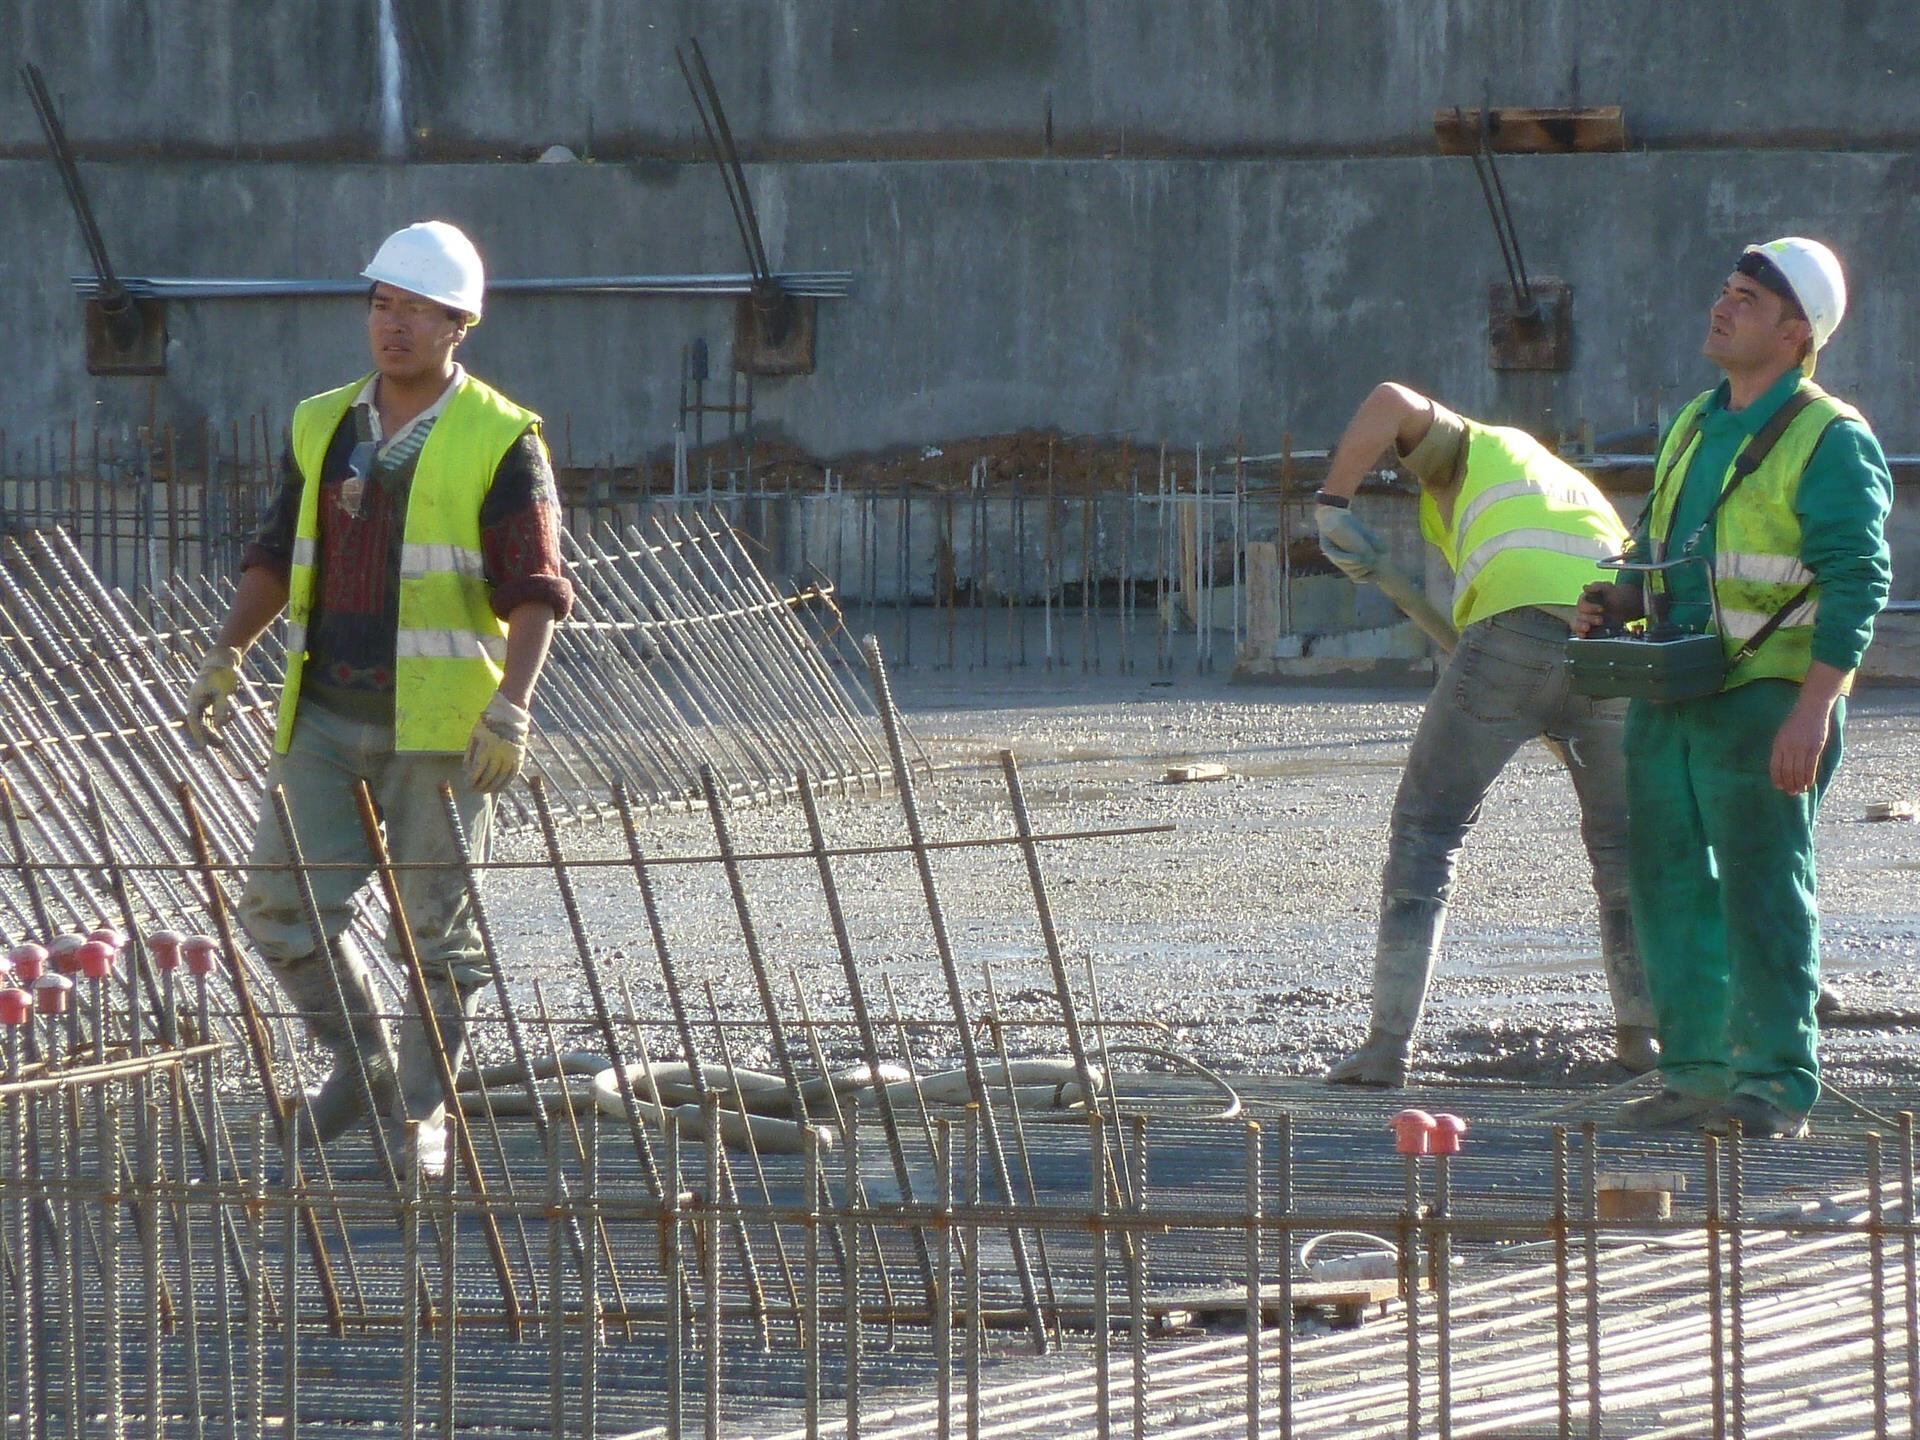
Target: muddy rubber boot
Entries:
(1381, 1063)
(1403, 957)
(1626, 974)
(419, 1117)
(1669, 1110)
(1635, 1048)
(1829, 1006)
(332, 1107)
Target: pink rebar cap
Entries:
(107, 935)
(63, 952)
(50, 994)
(1448, 1131)
(29, 961)
(96, 959)
(164, 947)
(1411, 1129)
(199, 951)
(15, 1006)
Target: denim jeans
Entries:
(1505, 684)
(328, 753)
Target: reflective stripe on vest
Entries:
(419, 561)
(1527, 528)
(1756, 548)
(1743, 625)
(450, 646)
(1586, 547)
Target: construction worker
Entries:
(1522, 532)
(415, 547)
(1723, 790)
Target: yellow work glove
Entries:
(210, 700)
(498, 748)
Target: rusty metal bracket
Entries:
(124, 336)
(1539, 337)
(1529, 321)
(773, 331)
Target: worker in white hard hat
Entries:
(415, 548)
(1785, 490)
(1523, 532)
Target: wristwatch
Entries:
(1339, 502)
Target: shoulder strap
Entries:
(1749, 461)
(1754, 453)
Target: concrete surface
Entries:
(1245, 935)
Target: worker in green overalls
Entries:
(1723, 790)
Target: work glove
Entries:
(210, 700)
(1352, 547)
(498, 749)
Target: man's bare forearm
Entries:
(260, 596)
(529, 637)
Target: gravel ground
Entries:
(1245, 931)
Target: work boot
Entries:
(357, 1038)
(1759, 1119)
(1381, 1063)
(1635, 1048)
(1669, 1110)
(1829, 1007)
(422, 1145)
(1403, 956)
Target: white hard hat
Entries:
(435, 260)
(1812, 273)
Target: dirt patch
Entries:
(1031, 459)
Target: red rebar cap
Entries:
(96, 959)
(199, 951)
(29, 961)
(50, 994)
(1447, 1133)
(15, 1006)
(1411, 1129)
(107, 935)
(164, 947)
(63, 952)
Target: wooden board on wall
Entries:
(1518, 130)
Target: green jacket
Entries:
(1841, 504)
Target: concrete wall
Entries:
(838, 78)
(1289, 240)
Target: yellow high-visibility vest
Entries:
(1527, 528)
(1756, 544)
(451, 647)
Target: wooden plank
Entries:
(1520, 130)
(1347, 1299)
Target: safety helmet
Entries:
(435, 260)
(1812, 273)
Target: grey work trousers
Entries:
(328, 754)
(1505, 684)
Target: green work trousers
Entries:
(1720, 870)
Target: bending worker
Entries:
(1522, 531)
(415, 546)
(1785, 490)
